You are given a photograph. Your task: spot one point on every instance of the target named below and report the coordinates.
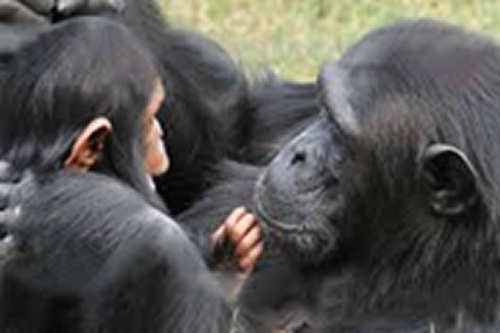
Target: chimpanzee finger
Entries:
(234, 217)
(7, 218)
(6, 247)
(67, 7)
(249, 241)
(222, 232)
(242, 227)
(4, 195)
(219, 234)
(251, 258)
(5, 171)
(10, 216)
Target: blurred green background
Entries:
(294, 37)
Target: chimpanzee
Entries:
(216, 121)
(388, 204)
(212, 111)
(93, 250)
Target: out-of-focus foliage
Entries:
(294, 37)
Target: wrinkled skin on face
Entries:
(298, 196)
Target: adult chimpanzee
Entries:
(389, 202)
(93, 251)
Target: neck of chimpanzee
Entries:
(363, 299)
(408, 271)
(350, 301)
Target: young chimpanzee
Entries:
(93, 250)
(215, 112)
(189, 123)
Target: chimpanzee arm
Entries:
(157, 280)
(116, 264)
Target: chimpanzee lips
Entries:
(308, 243)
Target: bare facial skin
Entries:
(156, 160)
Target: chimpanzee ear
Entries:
(451, 180)
(88, 146)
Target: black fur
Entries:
(390, 201)
(92, 256)
(220, 126)
(213, 111)
(92, 253)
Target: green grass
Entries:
(294, 37)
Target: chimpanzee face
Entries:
(156, 160)
(298, 197)
(381, 159)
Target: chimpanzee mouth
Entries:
(281, 224)
(306, 245)
(309, 243)
(270, 222)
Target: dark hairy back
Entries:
(91, 255)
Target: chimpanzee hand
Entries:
(9, 213)
(241, 236)
(68, 7)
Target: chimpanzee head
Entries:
(400, 169)
(84, 95)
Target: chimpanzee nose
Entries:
(299, 157)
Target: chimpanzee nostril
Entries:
(298, 157)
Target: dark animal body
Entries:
(94, 250)
(387, 206)
(220, 128)
(101, 259)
